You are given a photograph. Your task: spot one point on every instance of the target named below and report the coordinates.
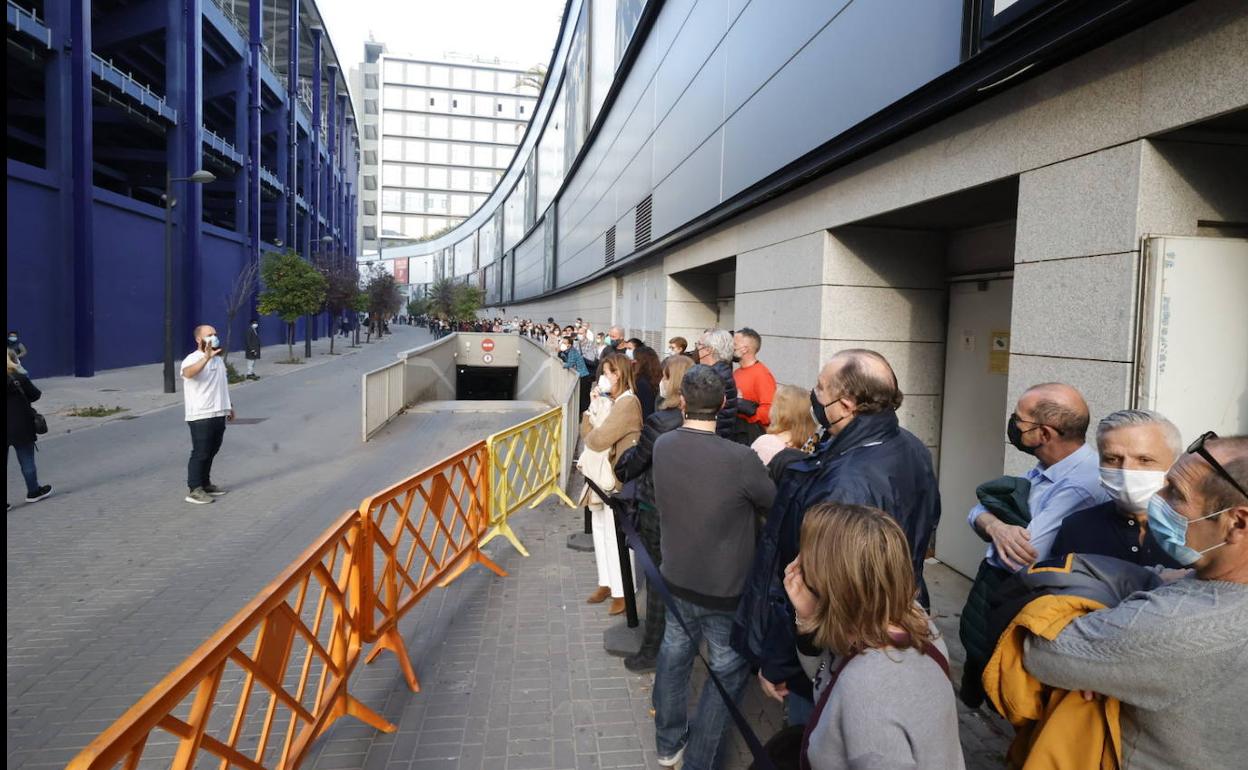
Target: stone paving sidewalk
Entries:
(139, 390)
(514, 675)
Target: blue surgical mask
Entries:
(213, 341)
(1169, 528)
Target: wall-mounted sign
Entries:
(487, 345)
(486, 357)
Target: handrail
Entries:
(421, 533)
(281, 620)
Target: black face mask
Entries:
(736, 359)
(1014, 435)
(819, 412)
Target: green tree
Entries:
(442, 299)
(342, 285)
(292, 288)
(534, 77)
(384, 298)
(468, 300)
(418, 306)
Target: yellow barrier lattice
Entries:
(525, 462)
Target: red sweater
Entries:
(755, 383)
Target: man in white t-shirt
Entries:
(206, 390)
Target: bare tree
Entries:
(238, 297)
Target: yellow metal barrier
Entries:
(524, 466)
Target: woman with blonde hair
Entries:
(792, 428)
(611, 425)
(882, 690)
(636, 467)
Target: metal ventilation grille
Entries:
(641, 229)
(653, 340)
(634, 334)
(610, 250)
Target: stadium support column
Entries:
(242, 122)
(292, 127)
(255, 203)
(184, 153)
(314, 201)
(70, 157)
(330, 148)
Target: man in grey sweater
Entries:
(1176, 657)
(711, 494)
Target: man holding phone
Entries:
(206, 391)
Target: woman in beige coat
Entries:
(610, 430)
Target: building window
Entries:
(370, 157)
(370, 81)
(498, 108)
(432, 102)
(522, 109)
(370, 132)
(370, 208)
(370, 106)
(370, 182)
(454, 103)
(370, 233)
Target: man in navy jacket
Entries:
(865, 458)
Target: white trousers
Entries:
(251, 366)
(606, 550)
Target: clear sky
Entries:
(520, 31)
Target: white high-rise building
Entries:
(438, 135)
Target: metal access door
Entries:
(972, 435)
(1192, 342)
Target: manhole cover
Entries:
(248, 420)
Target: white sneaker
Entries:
(673, 760)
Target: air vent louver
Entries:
(641, 228)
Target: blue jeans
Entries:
(798, 709)
(26, 459)
(673, 728)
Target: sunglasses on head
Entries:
(1198, 448)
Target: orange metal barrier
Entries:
(299, 640)
(420, 533)
(302, 637)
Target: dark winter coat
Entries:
(251, 344)
(20, 392)
(636, 464)
(726, 420)
(872, 462)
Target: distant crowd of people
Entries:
(1108, 621)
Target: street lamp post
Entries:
(199, 177)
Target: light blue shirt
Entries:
(1069, 485)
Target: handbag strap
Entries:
(655, 579)
(22, 392)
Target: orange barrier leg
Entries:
(392, 640)
(477, 558)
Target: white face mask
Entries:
(629, 353)
(604, 384)
(1132, 489)
(563, 348)
(662, 388)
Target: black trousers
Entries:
(587, 384)
(206, 436)
(656, 613)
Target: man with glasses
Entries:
(1175, 657)
(1049, 423)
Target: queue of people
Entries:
(799, 555)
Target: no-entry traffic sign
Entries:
(487, 345)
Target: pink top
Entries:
(768, 445)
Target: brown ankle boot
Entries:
(617, 607)
(599, 596)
